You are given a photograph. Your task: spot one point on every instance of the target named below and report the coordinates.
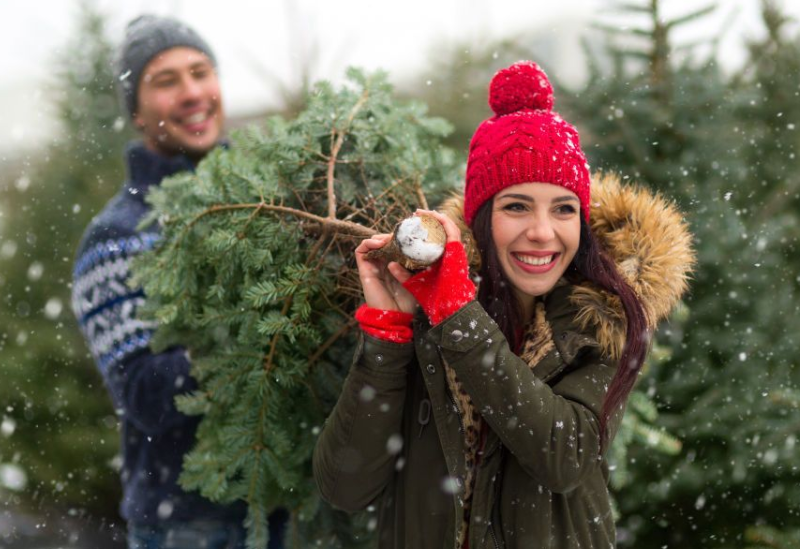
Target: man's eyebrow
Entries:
(171, 71)
(162, 72)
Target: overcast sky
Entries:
(260, 43)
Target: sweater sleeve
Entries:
(143, 384)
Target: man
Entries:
(169, 86)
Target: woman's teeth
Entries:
(530, 260)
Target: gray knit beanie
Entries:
(145, 37)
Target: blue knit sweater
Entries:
(143, 385)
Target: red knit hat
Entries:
(525, 142)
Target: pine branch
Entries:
(269, 360)
(778, 199)
(423, 201)
(374, 199)
(331, 340)
(273, 344)
(691, 16)
(629, 7)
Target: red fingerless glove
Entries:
(445, 287)
(394, 326)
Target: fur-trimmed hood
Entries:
(646, 237)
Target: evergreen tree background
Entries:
(59, 438)
(722, 148)
(724, 382)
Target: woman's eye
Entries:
(566, 209)
(514, 207)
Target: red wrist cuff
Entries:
(394, 326)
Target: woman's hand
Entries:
(451, 230)
(444, 287)
(382, 283)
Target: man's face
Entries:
(179, 106)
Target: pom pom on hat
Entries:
(525, 142)
(523, 85)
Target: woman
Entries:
(483, 423)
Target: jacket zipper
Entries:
(494, 537)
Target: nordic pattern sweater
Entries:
(143, 385)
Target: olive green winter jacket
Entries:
(395, 440)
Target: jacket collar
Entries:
(569, 337)
(146, 168)
(649, 241)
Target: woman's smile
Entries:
(536, 262)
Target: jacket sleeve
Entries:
(553, 432)
(144, 387)
(355, 455)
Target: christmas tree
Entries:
(724, 148)
(255, 276)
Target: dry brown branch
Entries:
(339, 136)
(374, 199)
(337, 226)
(423, 201)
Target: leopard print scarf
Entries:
(537, 341)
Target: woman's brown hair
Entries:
(590, 264)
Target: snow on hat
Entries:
(525, 142)
(145, 37)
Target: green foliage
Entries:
(63, 435)
(255, 276)
(721, 147)
(639, 429)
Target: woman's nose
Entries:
(540, 229)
